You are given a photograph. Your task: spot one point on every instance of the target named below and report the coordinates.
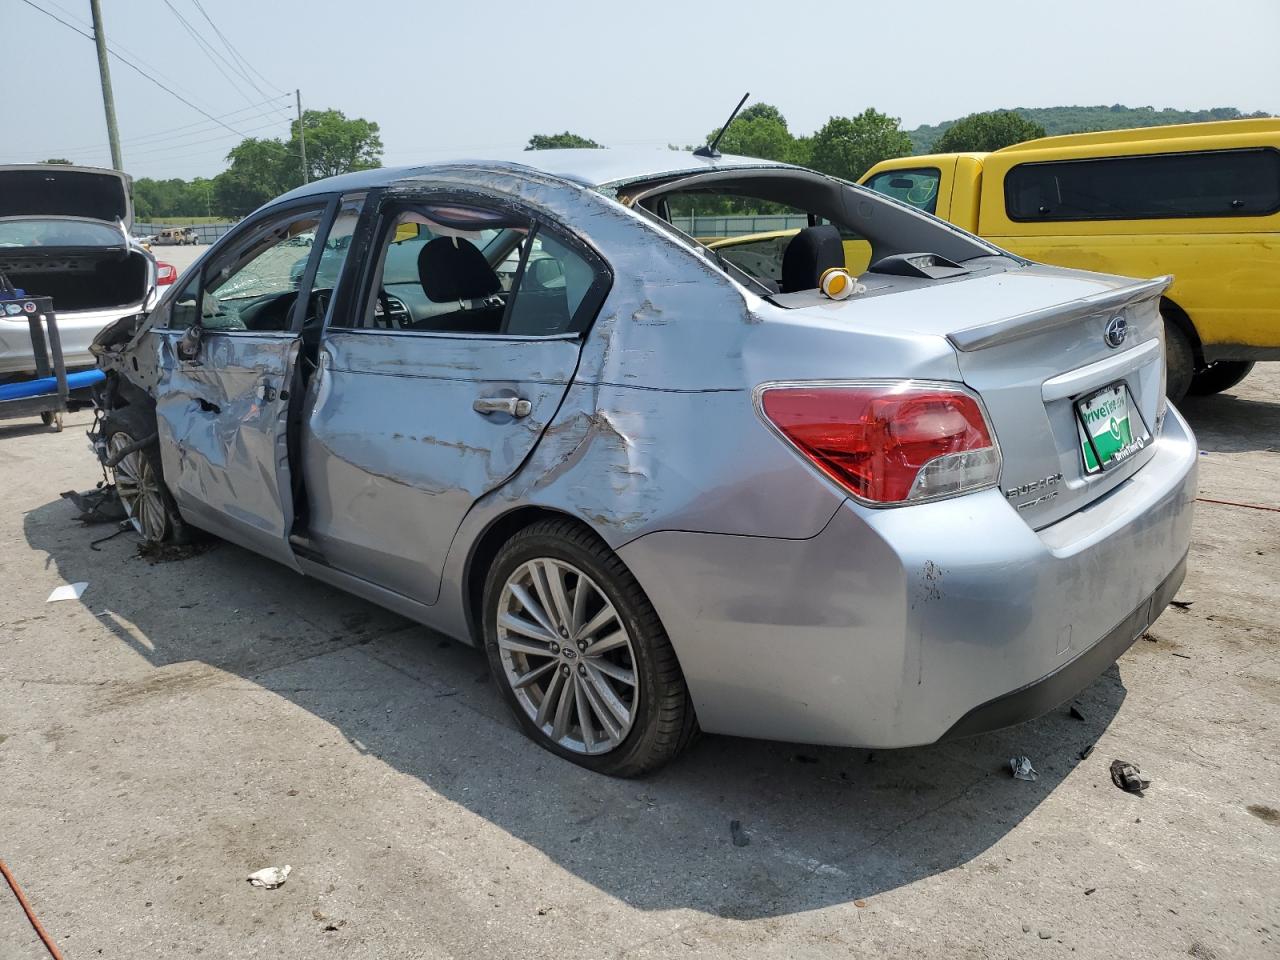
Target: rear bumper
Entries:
(893, 628)
(1038, 698)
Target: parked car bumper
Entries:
(76, 331)
(900, 627)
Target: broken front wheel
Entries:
(134, 453)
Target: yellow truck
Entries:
(1199, 201)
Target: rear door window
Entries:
(917, 187)
(1219, 183)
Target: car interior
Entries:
(470, 270)
(907, 247)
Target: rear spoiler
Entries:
(1024, 325)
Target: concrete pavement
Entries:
(188, 722)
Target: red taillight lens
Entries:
(166, 273)
(889, 442)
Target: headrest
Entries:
(810, 252)
(455, 272)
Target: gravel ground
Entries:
(195, 718)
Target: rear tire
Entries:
(1180, 362)
(554, 594)
(1220, 375)
(139, 480)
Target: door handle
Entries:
(513, 406)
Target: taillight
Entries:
(888, 442)
(166, 273)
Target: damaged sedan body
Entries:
(664, 486)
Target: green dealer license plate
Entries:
(1111, 429)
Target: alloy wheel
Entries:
(567, 656)
(138, 487)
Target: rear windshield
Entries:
(58, 233)
(1220, 183)
(918, 187)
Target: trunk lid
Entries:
(1034, 370)
(1031, 341)
(53, 190)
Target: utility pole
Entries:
(104, 71)
(302, 136)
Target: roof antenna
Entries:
(710, 150)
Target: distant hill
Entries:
(1057, 120)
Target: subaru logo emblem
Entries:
(1117, 330)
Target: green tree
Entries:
(335, 144)
(758, 111)
(561, 141)
(987, 131)
(850, 146)
(260, 170)
(762, 137)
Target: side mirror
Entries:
(189, 343)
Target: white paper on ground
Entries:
(68, 591)
(270, 877)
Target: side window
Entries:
(557, 281)
(183, 313)
(916, 187)
(446, 268)
(1221, 183)
(333, 257)
(255, 287)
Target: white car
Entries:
(64, 233)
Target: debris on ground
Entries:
(270, 877)
(155, 553)
(1074, 713)
(1181, 604)
(1084, 754)
(100, 505)
(740, 836)
(68, 591)
(804, 758)
(1022, 769)
(1128, 777)
(1091, 891)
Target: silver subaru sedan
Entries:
(682, 442)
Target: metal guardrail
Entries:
(735, 225)
(730, 225)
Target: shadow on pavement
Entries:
(1225, 423)
(826, 825)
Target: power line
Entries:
(133, 66)
(121, 50)
(212, 55)
(196, 128)
(246, 66)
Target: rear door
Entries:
(437, 378)
(222, 409)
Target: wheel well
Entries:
(486, 550)
(1173, 313)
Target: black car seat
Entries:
(452, 270)
(811, 252)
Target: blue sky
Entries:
(450, 78)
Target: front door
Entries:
(227, 359)
(438, 381)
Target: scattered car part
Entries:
(1020, 768)
(1128, 777)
